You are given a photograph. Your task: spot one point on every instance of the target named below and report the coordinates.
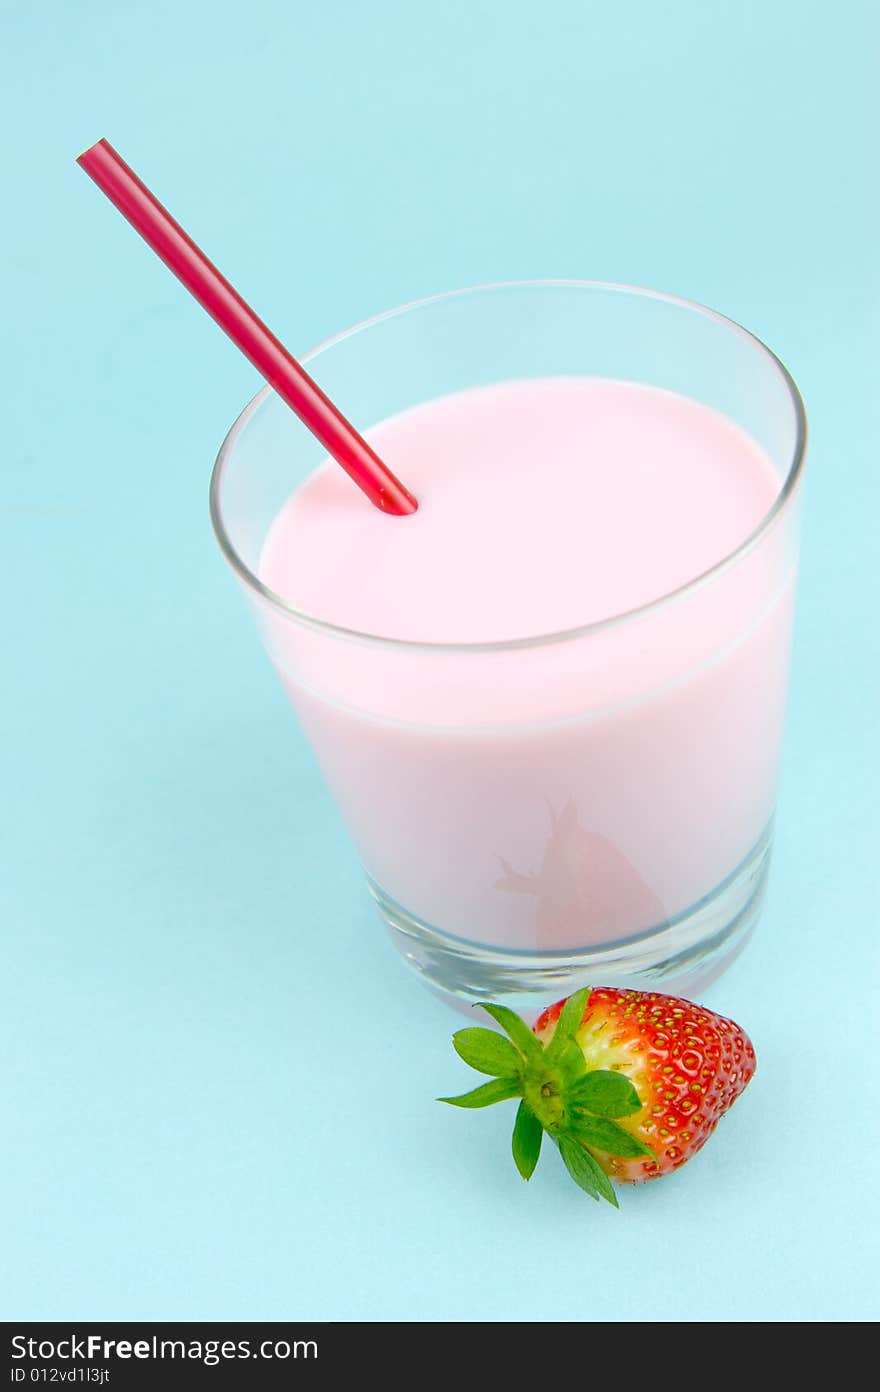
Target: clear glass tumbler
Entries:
(615, 825)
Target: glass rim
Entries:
(771, 516)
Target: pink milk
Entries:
(516, 771)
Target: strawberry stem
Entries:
(576, 1107)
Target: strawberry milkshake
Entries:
(550, 702)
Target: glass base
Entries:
(680, 957)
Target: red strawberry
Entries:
(627, 1083)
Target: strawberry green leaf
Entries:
(528, 1044)
(567, 1024)
(487, 1052)
(582, 1174)
(608, 1136)
(587, 1163)
(575, 1158)
(607, 1094)
(499, 1090)
(527, 1135)
(573, 1063)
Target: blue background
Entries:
(217, 1079)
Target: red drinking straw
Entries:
(214, 293)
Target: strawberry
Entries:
(628, 1084)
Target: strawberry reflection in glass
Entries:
(585, 886)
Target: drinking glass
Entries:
(611, 820)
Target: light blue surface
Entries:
(217, 1080)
